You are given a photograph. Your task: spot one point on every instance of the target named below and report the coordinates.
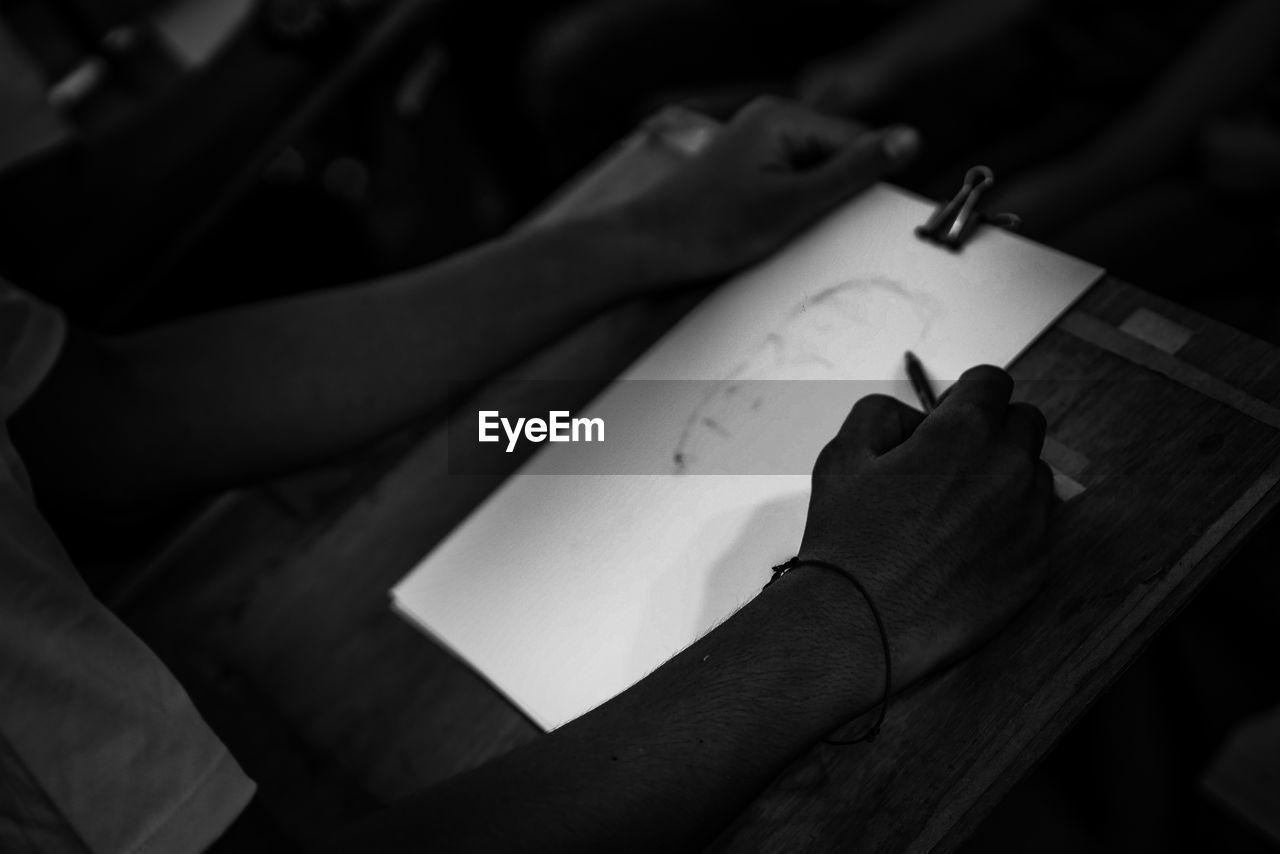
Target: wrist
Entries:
(668, 243)
(836, 633)
(633, 256)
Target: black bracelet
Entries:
(782, 569)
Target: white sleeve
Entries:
(101, 750)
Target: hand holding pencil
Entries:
(943, 517)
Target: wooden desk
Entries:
(1179, 454)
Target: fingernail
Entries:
(900, 142)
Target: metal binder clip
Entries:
(952, 223)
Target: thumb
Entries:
(870, 157)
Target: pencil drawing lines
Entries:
(836, 333)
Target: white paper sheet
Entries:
(564, 589)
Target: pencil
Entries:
(920, 382)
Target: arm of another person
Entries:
(217, 400)
(1222, 66)
(942, 518)
(919, 42)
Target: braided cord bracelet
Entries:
(782, 569)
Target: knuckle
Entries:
(827, 459)
(986, 373)
(874, 407)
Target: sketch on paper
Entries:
(842, 332)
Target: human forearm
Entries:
(938, 32)
(1229, 60)
(930, 39)
(667, 764)
(1145, 143)
(234, 396)
(223, 398)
